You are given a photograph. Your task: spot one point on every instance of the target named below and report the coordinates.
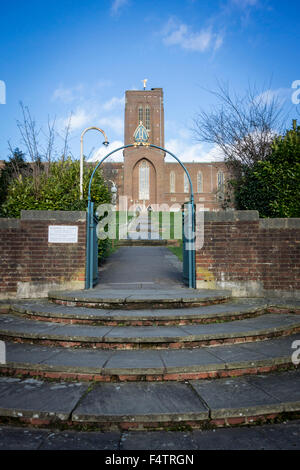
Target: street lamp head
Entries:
(106, 143)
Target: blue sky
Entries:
(76, 56)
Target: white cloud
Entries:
(115, 123)
(280, 95)
(80, 119)
(179, 34)
(67, 95)
(117, 5)
(102, 151)
(187, 152)
(218, 42)
(113, 103)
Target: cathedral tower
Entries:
(144, 167)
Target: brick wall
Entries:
(251, 256)
(29, 265)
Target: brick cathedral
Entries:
(145, 178)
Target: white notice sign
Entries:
(63, 234)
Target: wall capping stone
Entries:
(231, 216)
(58, 216)
(279, 223)
(9, 223)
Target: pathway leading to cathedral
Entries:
(141, 266)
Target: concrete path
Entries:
(284, 436)
(136, 266)
(143, 228)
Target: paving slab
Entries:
(72, 360)
(14, 438)
(227, 398)
(137, 334)
(14, 326)
(282, 436)
(140, 402)
(20, 353)
(285, 388)
(190, 360)
(281, 347)
(252, 326)
(237, 357)
(219, 439)
(47, 309)
(133, 362)
(24, 326)
(36, 399)
(81, 441)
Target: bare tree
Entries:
(65, 135)
(30, 138)
(40, 144)
(49, 144)
(243, 127)
(30, 134)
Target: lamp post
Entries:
(81, 153)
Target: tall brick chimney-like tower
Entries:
(144, 167)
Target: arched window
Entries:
(144, 181)
(186, 184)
(141, 114)
(199, 182)
(172, 182)
(147, 120)
(220, 180)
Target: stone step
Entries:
(46, 311)
(139, 299)
(138, 405)
(136, 337)
(147, 365)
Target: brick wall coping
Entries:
(279, 223)
(59, 216)
(236, 216)
(9, 223)
(230, 216)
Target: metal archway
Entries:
(188, 218)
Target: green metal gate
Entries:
(189, 274)
(91, 276)
(188, 244)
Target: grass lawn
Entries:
(177, 250)
(169, 225)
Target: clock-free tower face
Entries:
(146, 106)
(144, 167)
